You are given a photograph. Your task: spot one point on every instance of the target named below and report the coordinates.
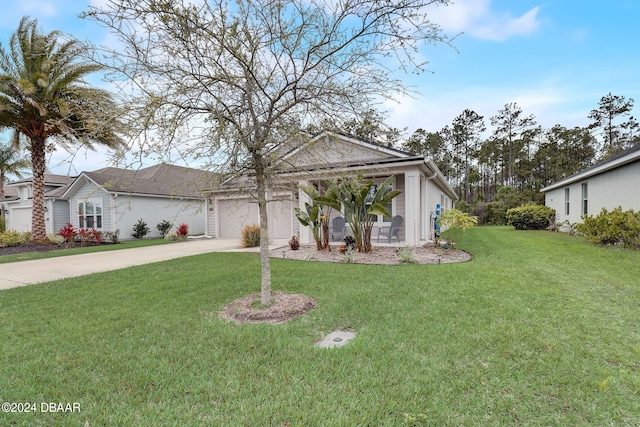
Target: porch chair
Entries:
(337, 228)
(392, 230)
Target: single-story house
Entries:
(608, 184)
(18, 203)
(315, 159)
(111, 199)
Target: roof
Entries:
(10, 193)
(49, 179)
(160, 180)
(625, 157)
(379, 158)
(60, 183)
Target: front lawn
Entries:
(540, 329)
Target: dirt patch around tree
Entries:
(284, 307)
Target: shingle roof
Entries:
(59, 182)
(49, 179)
(163, 180)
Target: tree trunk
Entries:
(366, 240)
(325, 235)
(2, 178)
(38, 161)
(265, 288)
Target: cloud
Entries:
(477, 19)
(432, 111)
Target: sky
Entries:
(554, 58)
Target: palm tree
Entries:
(10, 163)
(44, 97)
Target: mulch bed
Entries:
(28, 247)
(388, 255)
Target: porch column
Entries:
(306, 236)
(412, 208)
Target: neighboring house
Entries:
(111, 199)
(18, 203)
(611, 183)
(314, 160)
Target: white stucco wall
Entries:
(617, 187)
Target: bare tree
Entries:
(233, 81)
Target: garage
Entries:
(19, 219)
(235, 214)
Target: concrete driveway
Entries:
(24, 273)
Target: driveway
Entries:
(24, 273)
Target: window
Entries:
(388, 206)
(566, 201)
(585, 196)
(90, 214)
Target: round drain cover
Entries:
(337, 339)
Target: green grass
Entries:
(541, 329)
(82, 250)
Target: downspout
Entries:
(112, 210)
(429, 178)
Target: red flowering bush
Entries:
(183, 231)
(90, 236)
(68, 233)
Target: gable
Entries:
(330, 149)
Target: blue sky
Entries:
(555, 58)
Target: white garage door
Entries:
(235, 214)
(20, 220)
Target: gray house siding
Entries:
(125, 211)
(617, 187)
(60, 216)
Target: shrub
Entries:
(171, 237)
(251, 236)
(68, 233)
(294, 243)
(618, 227)
(465, 207)
(453, 223)
(113, 236)
(183, 231)
(140, 229)
(492, 213)
(55, 239)
(405, 256)
(90, 236)
(350, 242)
(164, 227)
(14, 238)
(531, 217)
